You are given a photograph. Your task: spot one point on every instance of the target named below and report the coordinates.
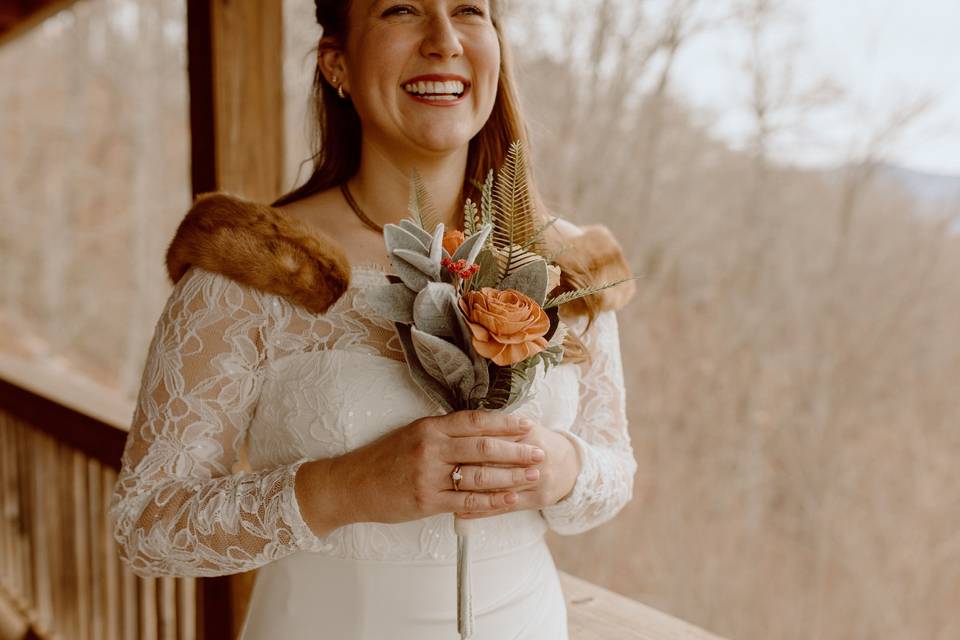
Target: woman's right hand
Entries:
(406, 474)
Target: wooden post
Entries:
(235, 59)
(235, 62)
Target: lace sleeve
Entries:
(600, 434)
(176, 508)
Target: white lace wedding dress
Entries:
(230, 364)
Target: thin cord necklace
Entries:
(357, 210)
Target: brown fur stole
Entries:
(264, 248)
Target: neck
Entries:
(382, 184)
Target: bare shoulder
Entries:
(327, 211)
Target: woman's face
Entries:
(422, 74)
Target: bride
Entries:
(266, 343)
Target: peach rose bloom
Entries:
(507, 326)
(452, 240)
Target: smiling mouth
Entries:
(432, 91)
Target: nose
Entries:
(441, 40)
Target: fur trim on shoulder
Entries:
(594, 252)
(262, 247)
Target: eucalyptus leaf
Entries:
(434, 309)
(530, 279)
(393, 302)
(445, 362)
(433, 389)
(472, 246)
(421, 262)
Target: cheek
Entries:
(486, 62)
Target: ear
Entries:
(332, 63)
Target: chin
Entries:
(442, 141)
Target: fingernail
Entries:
(533, 474)
(537, 455)
(511, 498)
(526, 423)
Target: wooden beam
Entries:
(235, 62)
(595, 613)
(17, 18)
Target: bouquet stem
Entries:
(464, 595)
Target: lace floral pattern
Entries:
(600, 433)
(229, 364)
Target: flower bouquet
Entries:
(473, 307)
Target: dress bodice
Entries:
(230, 364)
(321, 400)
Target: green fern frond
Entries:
(515, 260)
(421, 207)
(471, 220)
(486, 200)
(569, 296)
(514, 222)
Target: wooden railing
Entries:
(60, 576)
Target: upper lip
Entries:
(438, 77)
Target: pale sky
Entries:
(879, 50)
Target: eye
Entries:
(471, 9)
(398, 10)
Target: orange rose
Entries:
(452, 240)
(507, 326)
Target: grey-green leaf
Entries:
(393, 302)
(433, 389)
(400, 237)
(436, 248)
(530, 279)
(481, 371)
(412, 278)
(444, 361)
(488, 274)
(471, 247)
(422, 235)
(423, 263)
(434, 309)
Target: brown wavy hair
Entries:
(336, 138)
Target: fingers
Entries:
(523, 502)
(470, 501)
(485, 423)
(467, 450)
(485, 478)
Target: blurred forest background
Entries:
(791, 357)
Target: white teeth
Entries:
(453, 87)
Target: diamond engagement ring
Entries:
(457, 477)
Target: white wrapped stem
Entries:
(464, 595)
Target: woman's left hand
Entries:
(558, 473)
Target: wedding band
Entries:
(457, 477)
